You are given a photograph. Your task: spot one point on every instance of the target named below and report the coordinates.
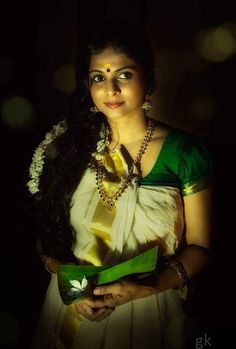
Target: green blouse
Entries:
(184, 162)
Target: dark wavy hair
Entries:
(68, 156)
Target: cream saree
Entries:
(149, 212)
(145, 215)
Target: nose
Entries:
(112, 87)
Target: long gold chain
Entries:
(100, 175)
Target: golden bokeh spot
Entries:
(215, 44)
(17, 112)
(63, 79)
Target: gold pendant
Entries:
(111, 205)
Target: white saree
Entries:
(145, 215)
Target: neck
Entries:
(126, 130)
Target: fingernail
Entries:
(96, 291)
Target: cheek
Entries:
(95, 93)
(138, 93)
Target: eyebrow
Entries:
(134, 67)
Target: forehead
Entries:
(110, 56)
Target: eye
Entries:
(97, 78)
(125, 75)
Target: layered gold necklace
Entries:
(109, 200)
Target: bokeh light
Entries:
(17, 112)
(64, 79)
(5, 70)
(203, 108)
(216, 44)
(10, 330)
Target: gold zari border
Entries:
(195, 187)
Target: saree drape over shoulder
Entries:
(149, 212)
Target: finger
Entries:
(110, 289)
(96, 303)
(84, 309)
(107, 301)
(111, 300)
(102, 314)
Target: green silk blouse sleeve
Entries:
(195, 167)
(184, 163)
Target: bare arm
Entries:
(198, 210)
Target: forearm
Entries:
(194, 259)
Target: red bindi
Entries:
(107, 66)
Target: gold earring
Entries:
(147, 103)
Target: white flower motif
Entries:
(36, 167)
(78, 288)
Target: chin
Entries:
(115, 114)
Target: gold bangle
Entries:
(180, 269)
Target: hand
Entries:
(121, 292)
(89, 309)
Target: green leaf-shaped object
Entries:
(71, 278)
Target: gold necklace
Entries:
(100, 175)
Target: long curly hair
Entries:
(68, 156)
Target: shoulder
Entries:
(188, 156)
(196, 163)
(174, 138)
(183, 141)
(161, 130)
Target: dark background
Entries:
(36, 39)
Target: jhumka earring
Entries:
(94, 109)
(147, 104)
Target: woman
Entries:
(109, 183)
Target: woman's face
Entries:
(117, 84)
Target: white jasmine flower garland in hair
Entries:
(102, 143)
(36, 167)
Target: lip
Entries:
(114, 105)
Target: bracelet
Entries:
(179, 267)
